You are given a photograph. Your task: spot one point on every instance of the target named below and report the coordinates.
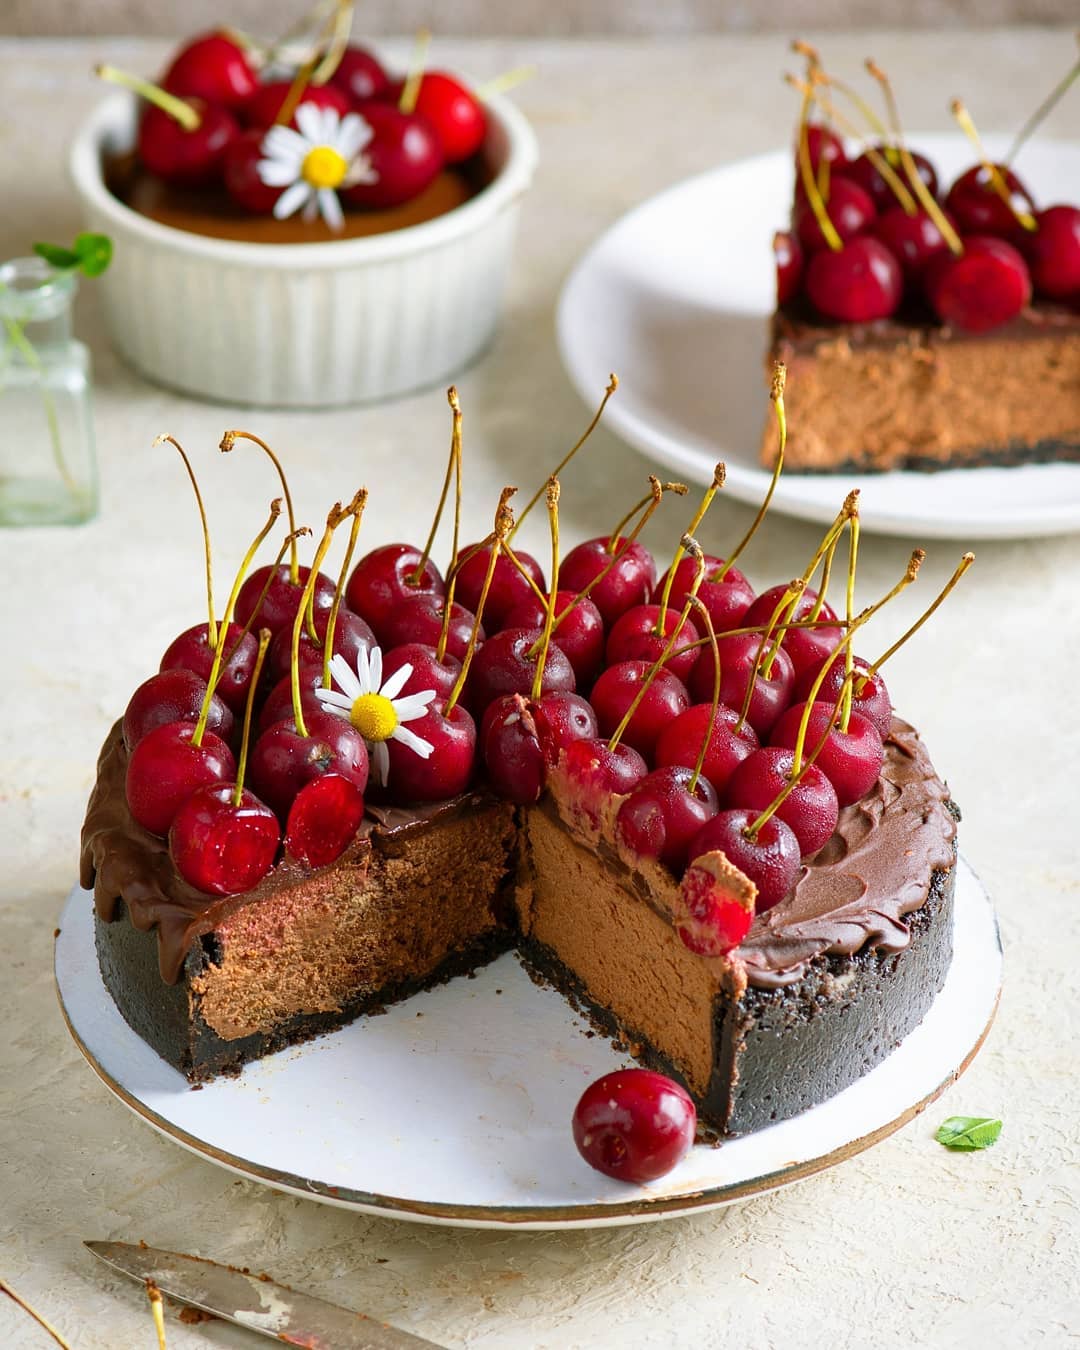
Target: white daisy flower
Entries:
(376, 712)
(313, 161)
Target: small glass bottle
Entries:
(48, 466)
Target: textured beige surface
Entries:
(907, 1246)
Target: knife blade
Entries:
(286, 1315)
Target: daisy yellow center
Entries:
(323, 167)
(374, 717)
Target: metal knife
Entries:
(286, 1315)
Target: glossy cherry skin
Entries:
(594, 774)
(680, 742)
(511, 749)
(282, 760)
(262, 108)
(278, 609)
(455, 114)
(912, 240)
(279, 706)
(634, 1125)
(617, 687)
(404, 155)
(856, 284)
(240, 174)
(738, 653)
(771, 859)
(190, 158)
(788, 253)
(562, 717)
(711, 915)
(219, 847)
(804, 646)
(851, 760)
(870, 697)
(508, 587)
(383, 578)
(634, 637)
(419, 618)
(981, 290)
(360, 75)
(323, 820)
(448, 771)
(662, 814)
(977, 209)
(724, 591)
(1053, 253)
(192, 651)
(428, 672)
(824, 144)
(174, 696)
(351, 636)
(580, 635)
(810, 809)
(850, 209)
(213, 67)
(630, 581)
(503, 666)
(862, 171)
(164, 770)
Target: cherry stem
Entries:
(826, 577)
(356, 510)
(336, 42)
(265, 588)
(613, 384)
(693, 547)
(784, 604)
(967, 126)
(703, 612)
(451, 465)
(249, 708)
(776, 394)
(157, 1311)
(410, 90)
(1041, 113)
(503, 83)
(648, 503)
(813, 192)
(553, 593)
(451, 580)
(227, 442)
(334, 518)
(504, 523)
(317, 14)
(223, 629)
(296, 91)
(31, 1311)
(719, 473)
(849, 611)
(962, 567)
(211, 627)
(816, 72)
(179, 109)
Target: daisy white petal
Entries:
(375, 665)
(363, 671)
(276, 173)
(331, 698)
(285, 144)
(396, 682)
(291, 200)
(380, 761)
(354, 134)
(331, 209)
(310, 121)
(412, 706)
(350, 682)
(361, 171)
(416, 744)
(334, 709)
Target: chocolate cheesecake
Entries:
(824, 985)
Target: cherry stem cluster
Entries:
(249, 709)
(504, 523)
(227, 442)
(719, 474)
(356, 510)
(553, 593)
(334, 517)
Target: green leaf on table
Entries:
(90, 254)
(63, 259)
(967, 1133)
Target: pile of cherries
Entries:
(218, 80)
(889, 256)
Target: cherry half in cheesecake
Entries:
(323, 819)
(634, 1125)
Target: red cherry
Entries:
(173, 696)
(419, 618)
(810, 809)
(661, 815)
(630, 581)
(383, 578)
(562, 717)
(616, 689)
(428, 672)
(454, 114)
(856, 284)
(189, 157)
(771, 859)
(738, 655)
(508, 587)
(724, 592)
(862, 171)
(279, 705)
(240, 171)
(510, 745)
(912, 240)
(1053, 252)
(278, 609)
(404, 156)
(851, 760)
(213, 67)
(985, 287)
(633, 637)
(850, 209)
(262, 108)
(825, 144)
(789, 266)
(977, 209)
(351, 636)
(323, 820)
(713, 910)
(634, 1125)
(503, 666)
(282, 760)
(805, 646)
(592, 774)
(360, 75)
(219, 847)
(871, 700)
(680, 742)
(192, 651)
(449, 770)
(580, 635)
(164, 770)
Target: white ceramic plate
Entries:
(454, 1107)
(675, 298)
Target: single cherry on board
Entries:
(788, 253)
(323, 820)
(282, 760)
(262, 108)
(506, 664)
(508, 587)
(192, 651)
(240, 174)
(404, 157)
(1053, 252)
(855, 284)
(220, 847)
(810, 809)
(630, 581)
(174, 696)
(164, 770)
(580, 634)
(213, 67)
(984, 288)
(851, 760)
(453, 112)
(771, 859)
(383, 578)
(850, 209)
(977, 209)
(615, 691)
(511, 749)
(282, 600)
(663, 813)
(449, 769)
(360, 75)
(680, 742)
(634, 1125)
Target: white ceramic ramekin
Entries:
(305, 325)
